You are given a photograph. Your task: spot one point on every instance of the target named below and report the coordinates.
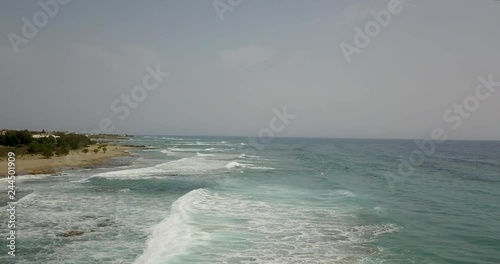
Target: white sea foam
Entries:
(204, 155)
(234, 165)
(186, 149)
(197, 143)
(245, 156)
(30, 177)
(82, 181)
(48, 214)
(283, 233)
(261, 168)
(344, 193)
(172, 235)
(26, 198)
(151, 150)
(175, 153)
(184, 166)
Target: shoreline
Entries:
(36, 164)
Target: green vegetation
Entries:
(96, 150)
(63, 151)
(16, 138)
(73, 141)
(85, 151)
(19, 151)
(22, 142)
(47, 153)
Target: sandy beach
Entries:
(36, 164)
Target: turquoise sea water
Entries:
(221, 200)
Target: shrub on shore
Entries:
(24, 142)
(62, 151)
(47, 153)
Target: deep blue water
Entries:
(221, 200)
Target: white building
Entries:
(44, 135)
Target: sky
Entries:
(230, 67)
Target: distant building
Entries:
(43, 135)
(3, 132)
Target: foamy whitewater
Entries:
(220, 200)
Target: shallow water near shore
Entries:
(218, 200)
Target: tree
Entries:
(11, 139)
(85, 151)
(51, 139)
(34, 147)
(104, 149)
(24, 137)
(47, 153)
(96, 150)
(63, 151)
(62, 144)
(75, 141)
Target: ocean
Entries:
(292, 200)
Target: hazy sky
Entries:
(226, 77)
